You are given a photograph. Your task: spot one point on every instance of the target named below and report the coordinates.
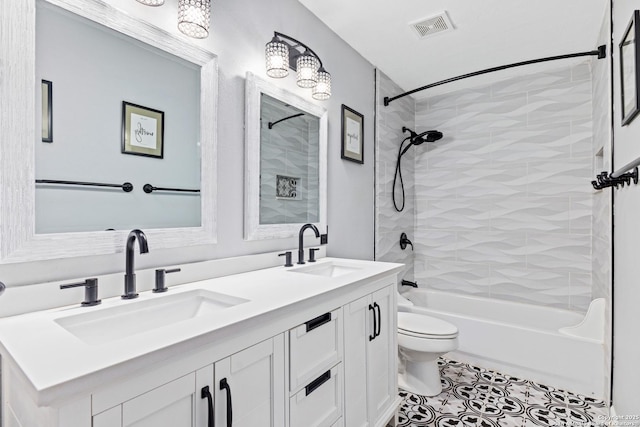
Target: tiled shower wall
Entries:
(390, 223)
(503, 203)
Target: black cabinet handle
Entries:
(376, 306)
(206, 394)
(375, 323)
(318, 321)
(224, 385)
(313, 385)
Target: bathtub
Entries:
(555, 347)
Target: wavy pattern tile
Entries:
(389, 222)
(503, 201)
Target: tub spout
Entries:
(409, 283)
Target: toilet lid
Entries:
(420, 325)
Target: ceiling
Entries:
(488, 33)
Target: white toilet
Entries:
(422, 340)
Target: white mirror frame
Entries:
(18, 240)
(253, 230)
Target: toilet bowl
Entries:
(421, 341)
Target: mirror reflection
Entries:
(123, 112)
(289, 163)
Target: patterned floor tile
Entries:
(476, 397)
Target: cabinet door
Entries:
(250, 386)
(381, 360)
(171, 405)
(358, 326)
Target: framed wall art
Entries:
(352, 135)
(629, 68)
(142, 130)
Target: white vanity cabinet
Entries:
(370, 358)
(316, 371)
(175, 404)
(250, 386)
(325, 357)
(247, 389)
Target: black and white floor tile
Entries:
(473, 396)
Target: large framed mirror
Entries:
(285, 162)
(133, 106)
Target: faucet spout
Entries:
(301, 240)
(129, 274)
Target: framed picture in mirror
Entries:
(629, 73)
(47, 111)
(142, 130)
(352, 135)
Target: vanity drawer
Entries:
(314, 347)
(319, 403)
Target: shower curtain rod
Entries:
(600, 53)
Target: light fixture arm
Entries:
(293, 51)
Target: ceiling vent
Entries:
(432, 25)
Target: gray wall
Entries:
(239, 31)
(503, 201)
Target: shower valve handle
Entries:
(404, 241)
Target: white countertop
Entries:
(51, 358)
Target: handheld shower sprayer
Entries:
(414, 139)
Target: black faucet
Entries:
(301, 241)
(129, 275)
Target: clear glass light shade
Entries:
(307, 70)
(152, 2)
(277, 58)
(194, 17)
(322, 91)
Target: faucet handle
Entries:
(160, 279)
(287, 258)
(90, 291)
(312, 254)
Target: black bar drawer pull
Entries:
(313, 385)
(224, 385)
(376, 306)
(318, 321)
(206, 394)
(375, 323)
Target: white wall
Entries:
(239, 31)
(626, 299)
(601, 221)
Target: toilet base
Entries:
(421, 378)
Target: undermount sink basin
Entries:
(136, 317)
(327, 269)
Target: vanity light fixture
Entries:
(283, 53)
(194, 17)
(152, 2)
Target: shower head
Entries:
(419, 138)
(427, 136)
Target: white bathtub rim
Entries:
(592, 325)
(488, 299)
(568, 331)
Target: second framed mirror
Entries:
(285, 162)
